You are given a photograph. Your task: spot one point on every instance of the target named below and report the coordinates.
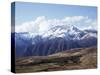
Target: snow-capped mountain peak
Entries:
(62, 31)
(55, 39)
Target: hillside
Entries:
(78, 58)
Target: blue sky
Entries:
(37, 17)
(30, 11)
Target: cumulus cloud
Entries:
(42, 24)
(91, 24)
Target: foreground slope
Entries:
(78, 58)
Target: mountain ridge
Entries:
(56, 39)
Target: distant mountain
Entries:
(91, 31)
(56, 39)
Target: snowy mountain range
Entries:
(56, 39)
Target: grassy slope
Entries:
(34, 63)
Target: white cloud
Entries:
(26, 27)
(75, 18)
(42, 24)
(91, 25)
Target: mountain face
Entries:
(56, 39)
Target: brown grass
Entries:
(88, 60)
